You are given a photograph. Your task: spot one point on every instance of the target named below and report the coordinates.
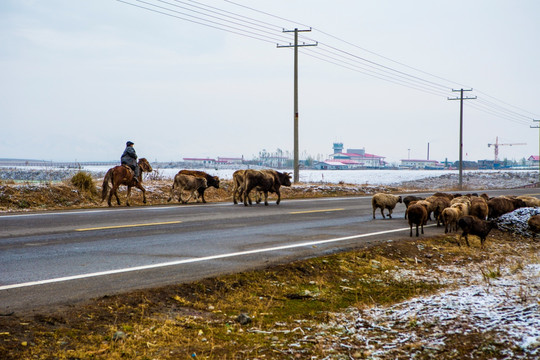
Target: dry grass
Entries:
(82, 192)
(285, 306)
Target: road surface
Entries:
(63, 257)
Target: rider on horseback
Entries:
(129, 158)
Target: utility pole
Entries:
(296, 165)
(461, 98)
(538, 127)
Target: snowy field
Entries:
(357, 177)
(436, 180)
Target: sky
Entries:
(79, 78)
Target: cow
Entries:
(190, 183)
(265, 181)
(210, 180)
(238, 187)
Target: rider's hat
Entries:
(129, 143)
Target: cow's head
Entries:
(285, 179)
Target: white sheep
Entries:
(384, 201)
(450, 217)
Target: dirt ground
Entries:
(341, 306)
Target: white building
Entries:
(421, 164)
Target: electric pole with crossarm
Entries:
(461, 98)
(296, 45)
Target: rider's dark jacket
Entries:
(129, 157)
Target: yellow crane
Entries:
(496, 146)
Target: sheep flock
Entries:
(469, 214)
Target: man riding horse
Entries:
(129, 158)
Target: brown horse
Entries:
(123, 175)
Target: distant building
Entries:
(338, 165)
(338, 147)
(354, 158)
(205, 162)
(229, 160)
(533, 161)
(421, 164)
(487, 164)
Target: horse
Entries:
(123, 175)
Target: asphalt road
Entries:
(48, 259)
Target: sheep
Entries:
(424, 203)
(445, 195)
(417, 216)
(462, 208)
(479, 208)
(438, 204)
(501, 205)
(384, 201)
(534, 224)
(450, 217)
(462, 200)
(474, 226)
(530, 201)
(407, 201)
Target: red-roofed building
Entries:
(360, 157)
(533, 160)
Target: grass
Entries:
(275, 313)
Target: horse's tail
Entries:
(105, 186)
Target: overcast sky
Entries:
(78, 78)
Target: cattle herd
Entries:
(472, 213)
(244, 181)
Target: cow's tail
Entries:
(105, 186)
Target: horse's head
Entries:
(145, 165)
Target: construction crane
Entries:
(496, 146)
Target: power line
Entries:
(374, 74)
(394, 72)
(211, 24)
(249, 27)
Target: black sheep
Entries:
(417, 216)
(474, 226)
(407, 200)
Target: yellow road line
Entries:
(314, 211)
(128, 226)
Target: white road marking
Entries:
(194, 260)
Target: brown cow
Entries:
(189, 183)
(265, 181)
(210, 180)
(238, 187)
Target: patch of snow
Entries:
(516, 221)
(507, 306)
